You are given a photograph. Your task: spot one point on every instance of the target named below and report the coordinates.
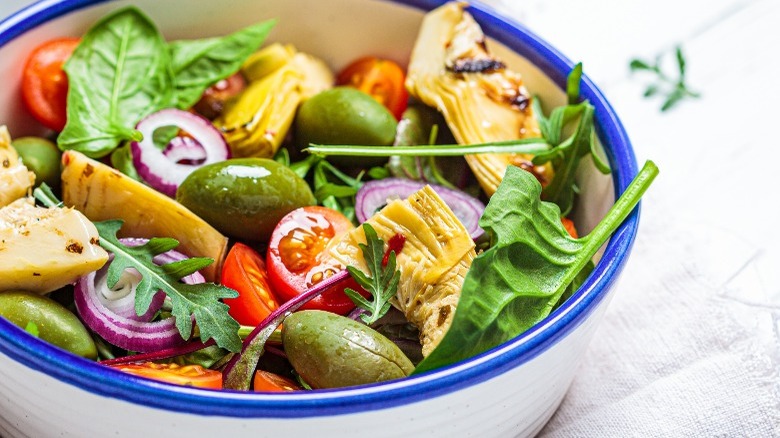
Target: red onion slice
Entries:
(375, 194)
(111, 312)
(165, 170)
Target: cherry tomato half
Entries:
(381, 78)
(188, 375)
(267, 381)
(45, 84)
(244, 271)
(297, 259)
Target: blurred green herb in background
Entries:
(672, 89)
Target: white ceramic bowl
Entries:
(511, 390)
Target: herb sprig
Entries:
(567, 151)
(673, 90)
(332, 188)
(383, 282)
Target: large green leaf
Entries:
(520, 279)
(119, 73)
(198, 64)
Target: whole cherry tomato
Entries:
(244, 270)
(45, 84)
(381, 78)
(187, 375)
(270, 382)
(297, 259)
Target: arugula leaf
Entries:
(383, 282)
(672, 90)
(119, 73)
(198, 64)
(518, 281)
(198, 300)
(188, 300)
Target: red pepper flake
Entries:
(395, 244)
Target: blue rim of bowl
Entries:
(38, 355)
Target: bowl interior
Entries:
(337, 31)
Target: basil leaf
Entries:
(198, 64)
(119, 73)
(517, 282)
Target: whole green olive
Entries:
(244, 198)
(345, 115)
(42, 157)
(332, 351)
(55, 324)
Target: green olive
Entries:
(332, 351)
(55, 324)
(345, 115)
(42, 157)
(244, 198)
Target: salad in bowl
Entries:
(236, 214)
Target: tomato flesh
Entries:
(570, 228)
(270, 382)
(244, 270)
(381, 78)
(297, 259)
(187, 375)
(45, 84)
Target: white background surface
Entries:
(690, 345)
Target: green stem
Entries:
(615, 216)
(275, 338)
(44, 194)
(524, 146)
(621, 209)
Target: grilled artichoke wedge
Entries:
(434, 260)
(102, 193)
(452, 70)
(15, 180)
(280, 78)
(44, 249)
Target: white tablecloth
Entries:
(690, 345)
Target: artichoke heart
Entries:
(433, 262)
(44, 249)
(15, 179)
(102, 192)
(452, 70)
(256, 122)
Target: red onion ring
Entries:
(374, 195)
(116, 320)
(165, 170)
